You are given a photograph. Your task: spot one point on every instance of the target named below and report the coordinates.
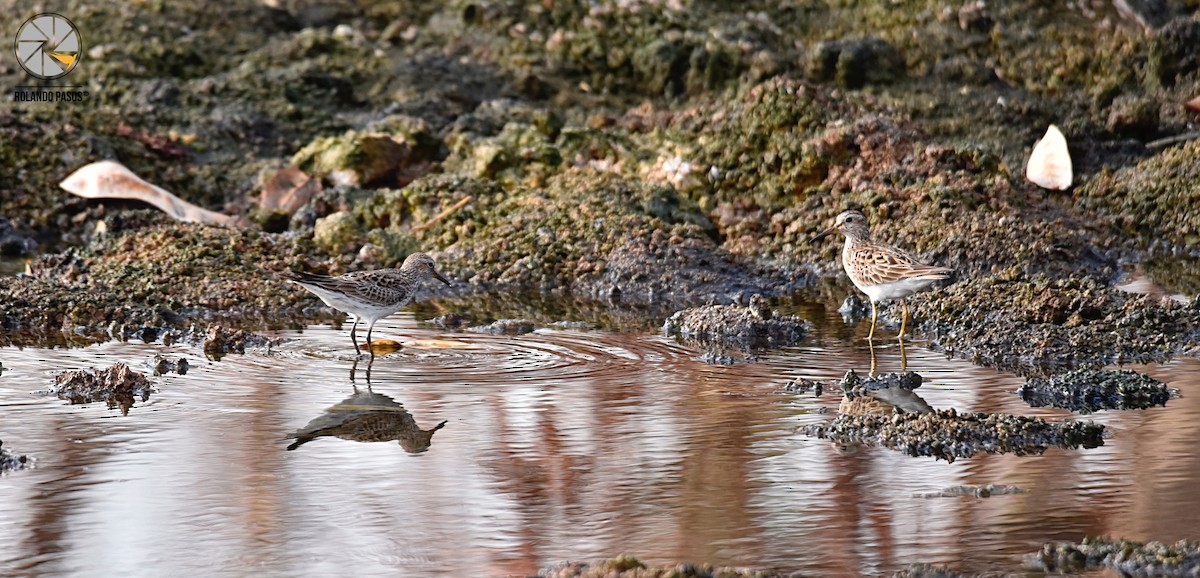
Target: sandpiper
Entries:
(370, 295)
(881, 271)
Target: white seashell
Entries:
(110, 179)
(1050, 162)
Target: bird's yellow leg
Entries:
(874, 318)
(904, 319)
(903, 357)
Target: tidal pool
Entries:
(557, 445)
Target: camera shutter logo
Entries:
(48, 46)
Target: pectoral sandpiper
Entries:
(881, 271)
(370, 295)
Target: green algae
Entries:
(170, 276)
(1152, 202)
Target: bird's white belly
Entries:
(895, 289)
(366, 311)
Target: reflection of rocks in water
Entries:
(368, 417)
(10, 461)
(974, 491)
(944, 434)
(752, 327)
(1127, 558)
(630, 567)
(1087, 390)
(118, 386)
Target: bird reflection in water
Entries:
(367, 416)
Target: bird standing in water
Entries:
(881, 271)
(370, 295)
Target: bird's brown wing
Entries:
(875, 264)
(381, 286)
(384, 286)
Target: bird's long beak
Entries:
(439, 277)
(823, 235)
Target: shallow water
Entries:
(559, 445)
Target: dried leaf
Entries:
(289, 190)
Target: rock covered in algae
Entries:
(1126, 557)
(118, 386)
(1089, 389)
(1039, 326)
(947, 435)
(630, 567)
(753, 326)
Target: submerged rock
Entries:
(977, 491)
(506, 327)
(928, 571)
(118, 386)
(630, 567)
(754, 326)
(163, 365)
(10, 461)
(946, 435)
(1125, 557)
(1087, 390)
(219, 340)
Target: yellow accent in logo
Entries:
(67, 58)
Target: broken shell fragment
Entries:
(1050, 162)
(112, 180)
